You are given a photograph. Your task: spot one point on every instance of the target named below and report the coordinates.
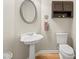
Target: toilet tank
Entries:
(61, 38)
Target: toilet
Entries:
(65, 50)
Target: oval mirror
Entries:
(28, 11)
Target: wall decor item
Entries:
(28, 11)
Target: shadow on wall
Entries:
(70, 41)
(20, 49)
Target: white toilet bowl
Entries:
(66, 51)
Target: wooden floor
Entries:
(48, 56)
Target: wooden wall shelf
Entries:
(62, 9)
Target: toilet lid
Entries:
(67, 49)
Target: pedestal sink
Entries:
(31, 39)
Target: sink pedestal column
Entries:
(32, 51)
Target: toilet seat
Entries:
(67, 49)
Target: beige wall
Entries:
(9, 21)
(73, 32)
(14, 26)
(21, 27)
(55, 25)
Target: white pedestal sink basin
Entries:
(31, 39)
